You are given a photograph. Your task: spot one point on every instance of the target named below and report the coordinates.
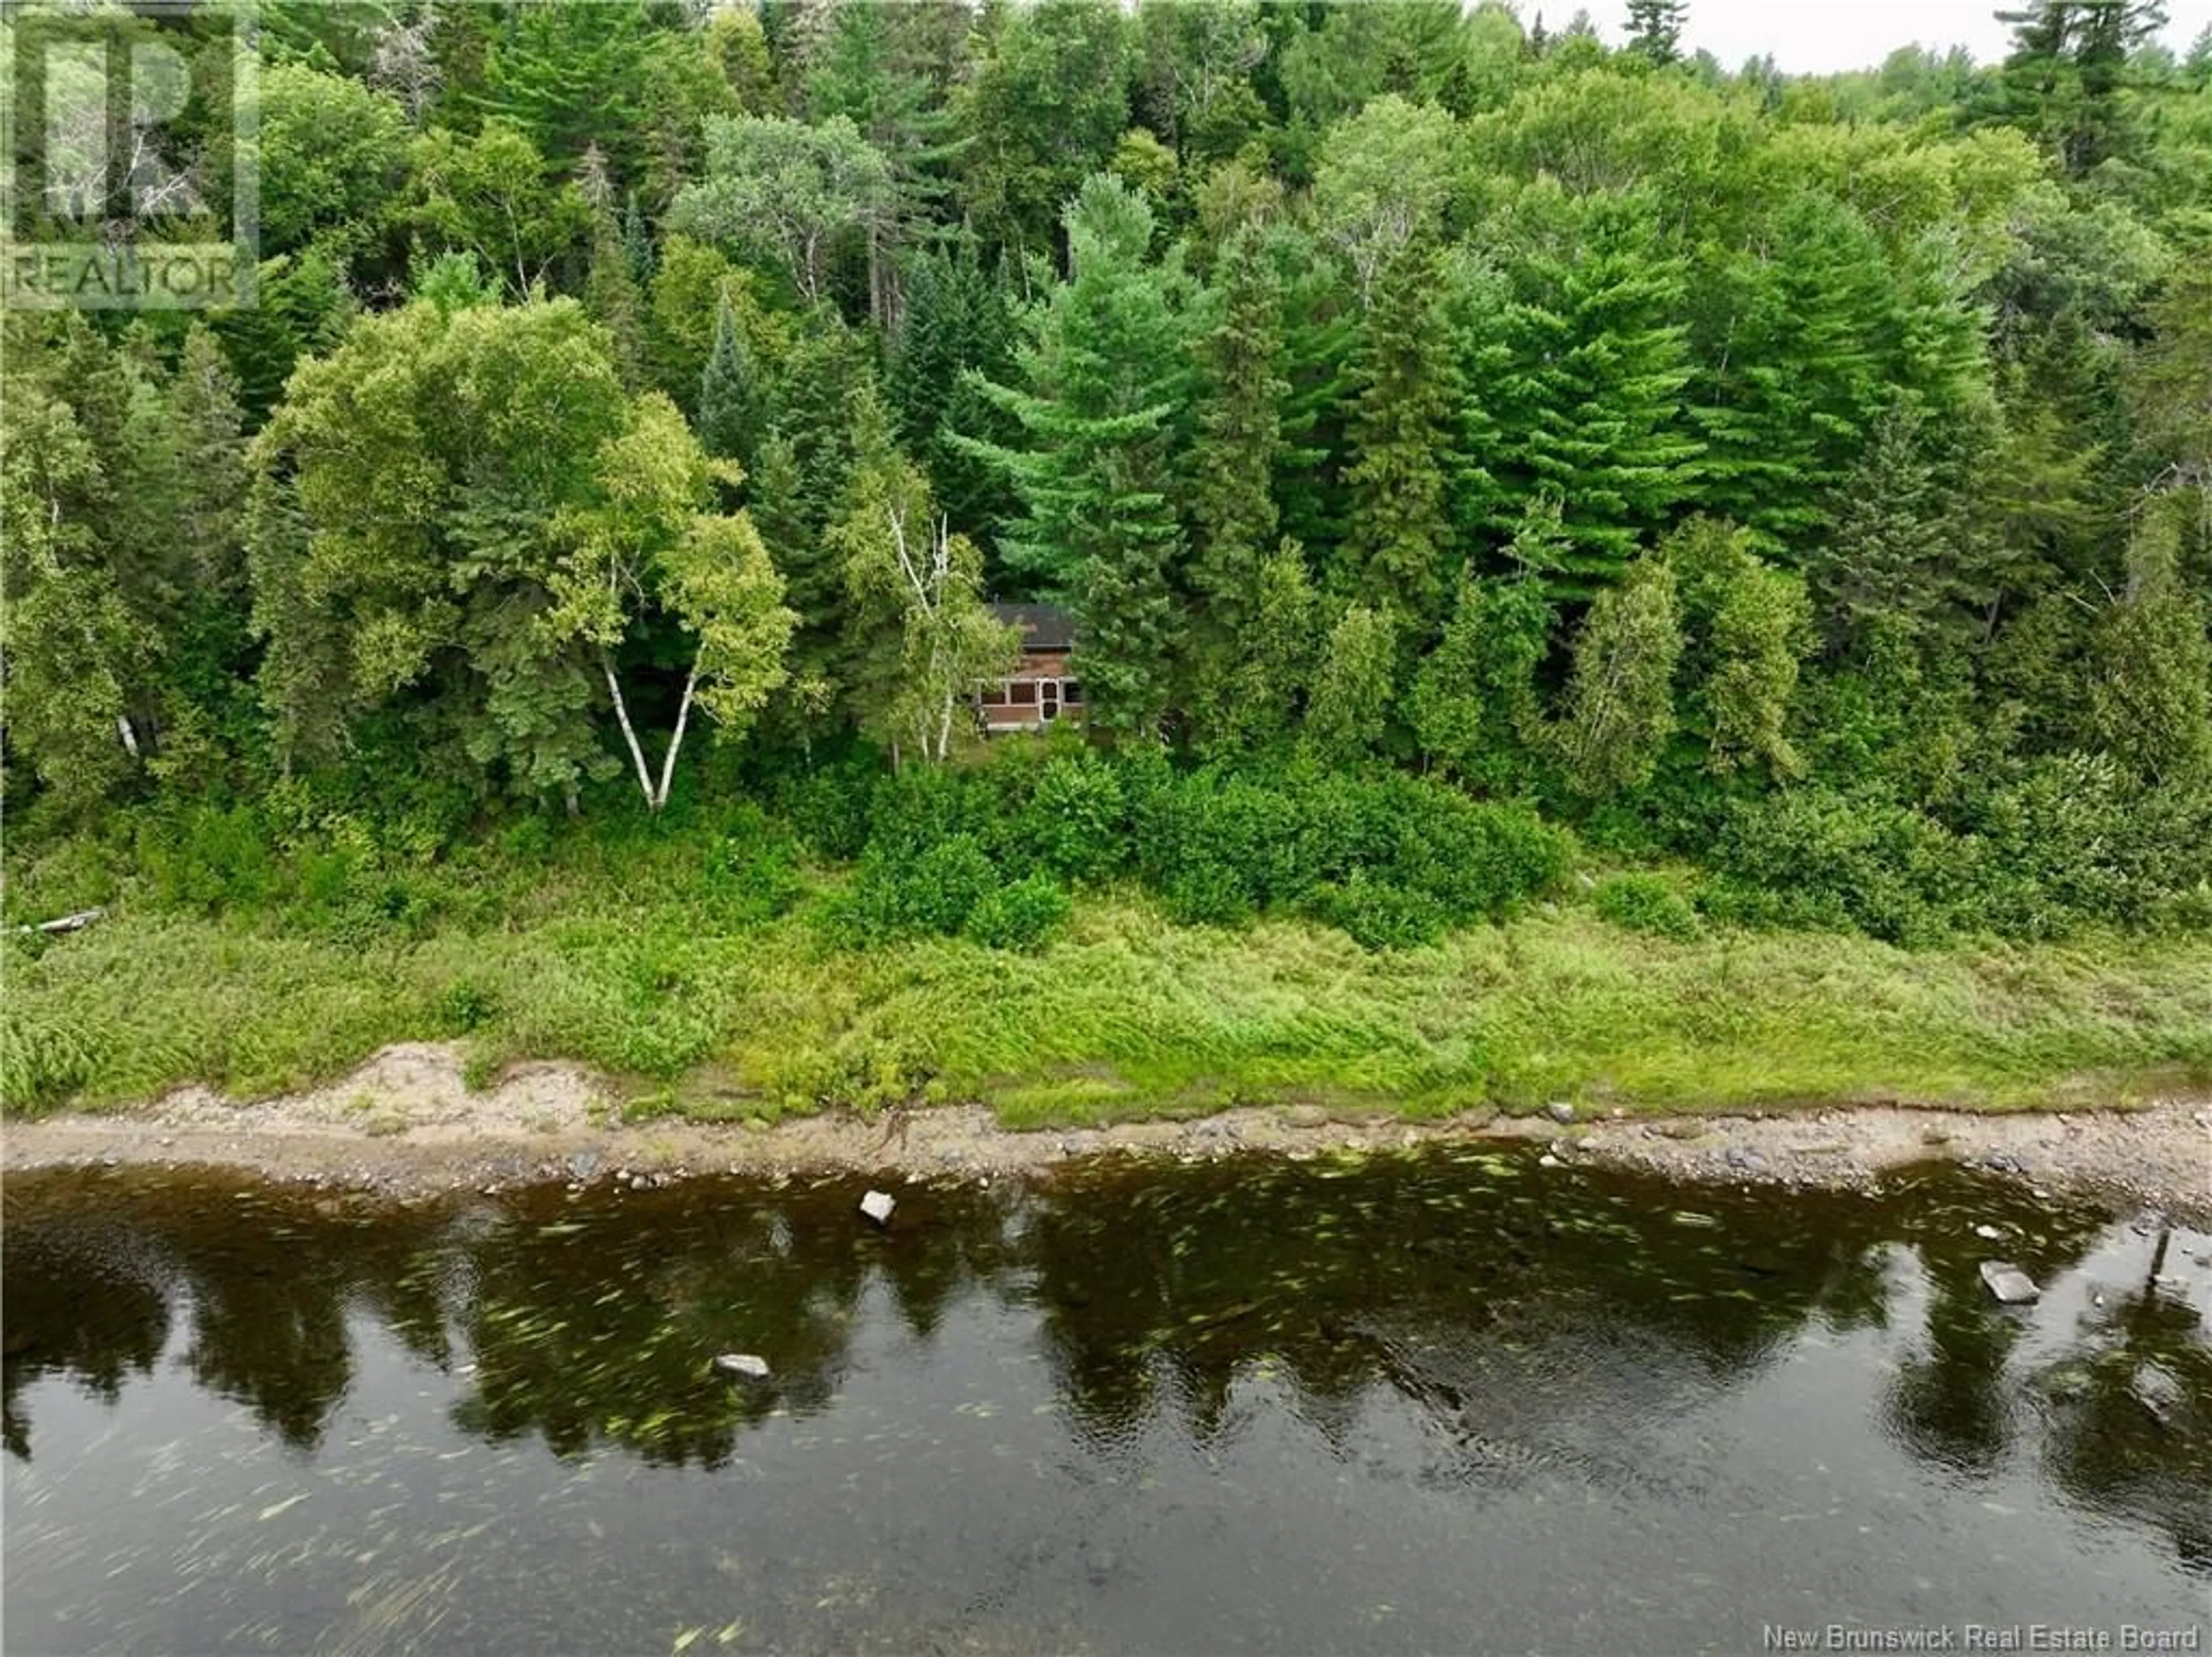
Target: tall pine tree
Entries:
(1105, 377)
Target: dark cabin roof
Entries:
(1044, 626)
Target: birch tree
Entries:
(922, 636)
(648, 549)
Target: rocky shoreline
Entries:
(405, 1124)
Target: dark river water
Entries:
(1444, 1402)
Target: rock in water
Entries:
(2012, 1285)
(740, 1366)
(877, 1206)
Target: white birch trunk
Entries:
(629, 734)
(659, 802)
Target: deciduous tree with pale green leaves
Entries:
(1619, 705)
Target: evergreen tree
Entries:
(1888, 560)
(1231, 465)
(120, 557)
(887, 69)
(1587, 409)
(1396, 556)
(1800, 381)
(1746, 629)
(731, 412)
(1105, 368)
(2065, 78)
(1473, 705)
(611, 290)
(957, 325)
(571, 78)
(1321, 324)
(637, 243)
(1255, 704)
(1655, 29)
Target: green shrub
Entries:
(829, 806)
(1378, 914)
(751, 872)
(208, 857)
(467, 1005)
(2073, 839)
(526, 840)
(1818, 858)
(1017, 915)
(1646, 903)
(934, 889)
(1074, 824)
(1478, 862)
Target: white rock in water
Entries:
(2012, 1285)
(1988, 1234)
(741, 1366)
(877, 1206)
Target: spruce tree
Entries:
(1889, 558)
(731, 414)
(1321, 326)
(1232, 461)
(1253, 706)
(611, 293)
(958, 321)
(1399, 540)
(1473, 705)
(1655, 29)
(1746, 629)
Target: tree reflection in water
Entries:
(1540, 1324)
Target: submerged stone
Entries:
(877, 1206)
(740, 1366)
(2011, 1286)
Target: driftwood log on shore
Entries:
(77, 922)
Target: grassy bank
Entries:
(705, 1011)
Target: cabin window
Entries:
(1022, 693)
(1071, 693)
(993, 696)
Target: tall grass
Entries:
(626, 963)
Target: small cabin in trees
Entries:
(1040, 691)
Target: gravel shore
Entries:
(405, 1124)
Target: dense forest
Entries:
(1459, 442)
